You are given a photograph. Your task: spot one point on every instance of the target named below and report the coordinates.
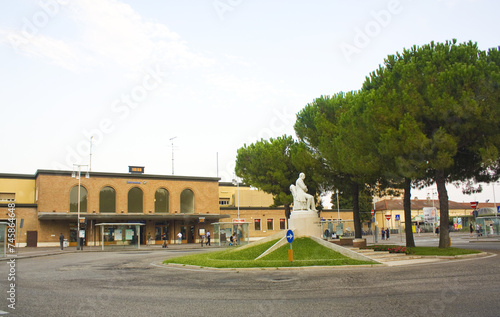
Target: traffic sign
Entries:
(289, 236)
(398, 217)
(388, 217)
(473, 204)
(498, 209)
(373, 212)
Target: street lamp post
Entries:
(338, 208)
(375, 222)
(172, 140)
(494, 198)
(338, 213)
(78, 176)
(434, 223)
(237, 183)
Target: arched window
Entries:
(162, 200)
(107, 199)
(187, 201)
(135, 200)
(73, 199)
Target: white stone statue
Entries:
(302, 201)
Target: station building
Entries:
(48, 204)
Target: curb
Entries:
(279, 268)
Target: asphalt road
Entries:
(134, 284)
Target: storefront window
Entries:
(107, 200)
(161, 200)
(187, 201)
(73, 199)
(135, 200)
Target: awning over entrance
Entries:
(114, 217)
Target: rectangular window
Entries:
(270, 224)
(7, 197)
(256, 224)
(282, 224)
(223, 201)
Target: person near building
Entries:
(164, 238)
(179, 235)
(208, 238)
(61, 241)
(383, 233)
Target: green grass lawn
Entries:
(428, 250)
(306, 252)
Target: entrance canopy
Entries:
(116, 234)
(115, 217)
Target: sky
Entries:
(179, 86)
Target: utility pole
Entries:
(90, 160)
(172, 141)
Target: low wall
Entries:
(342, 250)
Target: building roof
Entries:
(115, 175)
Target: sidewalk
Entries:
(400, 239)
(31, 252)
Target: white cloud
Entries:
(106, 33)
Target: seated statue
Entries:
(301, 199)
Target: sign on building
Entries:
(430, 214)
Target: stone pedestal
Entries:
(305, 223)
(359, 243)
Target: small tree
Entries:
(274, 165)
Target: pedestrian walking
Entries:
(149, 238)
(383, 233)
(164, 238)
(179, 235)
(387, 234)
(208, 238)
(61, 241)
(471, 229)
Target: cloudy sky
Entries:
(204, 75)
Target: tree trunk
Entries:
(444, 234)
(355, 211)
(410, 242)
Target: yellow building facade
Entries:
(49, 203)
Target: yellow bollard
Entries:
(290, 255)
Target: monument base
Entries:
(305, 223)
